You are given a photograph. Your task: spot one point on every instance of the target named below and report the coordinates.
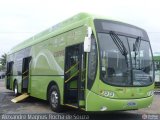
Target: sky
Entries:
(21, 19)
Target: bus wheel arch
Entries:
(53, 96)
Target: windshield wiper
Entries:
(119, 45)
(136, 47)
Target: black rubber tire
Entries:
(54, 91)
(15, 88)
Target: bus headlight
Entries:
(108, 93)
(150, 93)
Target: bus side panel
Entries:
(16, 70)
(48, 61)
(47, 65)
(39, 85)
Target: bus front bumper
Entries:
(96, 102)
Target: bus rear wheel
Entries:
(15, 88)
(54, 99)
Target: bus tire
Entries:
(15, 88)
(54, 98)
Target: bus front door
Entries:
(25, 74)
(74, 80)
(9, 75)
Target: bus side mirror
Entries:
(87, 40)
(87, 44)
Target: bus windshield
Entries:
(122, 68)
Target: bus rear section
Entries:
(125, 73)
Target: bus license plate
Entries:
(132, 104)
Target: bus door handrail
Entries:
(72, 76)
(25, 72)
(8, 74)
(24, 77)
(72, 67)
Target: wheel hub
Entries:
(54, 99)
(15, 89)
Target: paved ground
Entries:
(33, 105)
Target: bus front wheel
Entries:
(54, 99)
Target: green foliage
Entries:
(3, 62)
(156, 57)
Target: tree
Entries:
(3, 61)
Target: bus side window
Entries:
(9, 68)
(92, 63)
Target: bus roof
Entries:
(59, 28)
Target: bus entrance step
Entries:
(20, 98)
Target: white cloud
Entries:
(20, 16)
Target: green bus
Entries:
(86, 62)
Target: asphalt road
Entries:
(32, 105)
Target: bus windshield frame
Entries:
(130, 48)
